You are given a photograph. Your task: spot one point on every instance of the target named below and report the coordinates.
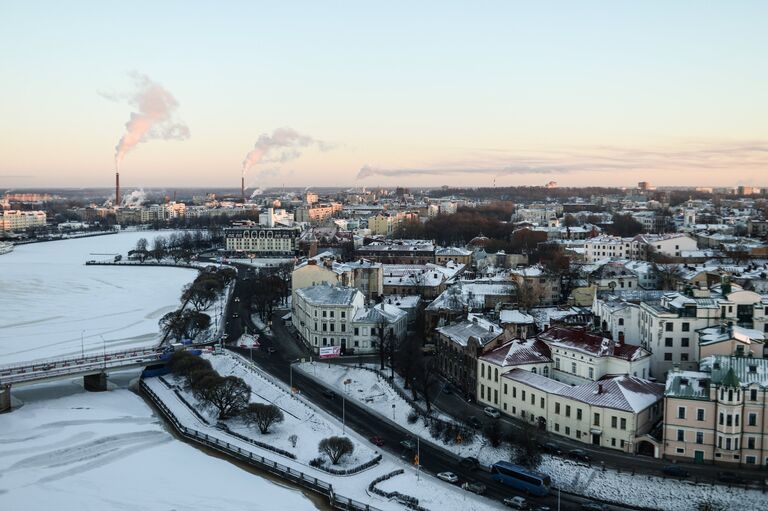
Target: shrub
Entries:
(262, 415)
(293, 439)
(412, 417)
(317, 462)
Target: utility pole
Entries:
(82, 345)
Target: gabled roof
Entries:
(475, 327)
(519, 352)
(578, 339)
(324, 294)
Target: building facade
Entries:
(262, 241)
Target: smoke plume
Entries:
(134, 199)
(152, 119)
(282, 145)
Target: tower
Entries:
(117, 189)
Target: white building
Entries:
(336, 316)
(16, 220)
(262, 241)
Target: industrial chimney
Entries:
(117, 189)
(242, 188)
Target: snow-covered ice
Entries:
(49, 298)
(68, 449)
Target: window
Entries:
(523, 396)
(567, 410)
(505, 388)
(557, 427)
(541, 403)
(557, 363)
(357, 330)
(343, 314)
(721, 418)
(668, 326)
(333, 327)
(685, 342)
(699, 437)
(533, 398)
(681, 412)
(567, 430)
(680, 435)
(514, 391)
(752, 420)
(496, 375)
(683, 357)
(729, 420)
(573, 367)
(482, 391)
(668, 342)
(495, 396)
(686, 327)
(623, 423)
(753, 392)
(331, 313)
(591, 373)
(343, 327)
(700, 414)
(325, 314)
(578, 413)
(482, 370)
(727, 444)
(614, 421)
(596, 420)
(557, 408)
(325, 327)
(668, 356)
(750, 442)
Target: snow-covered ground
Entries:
(299, 419)
(68, 449)
(49, 298)
(370, 390)
(351, 486)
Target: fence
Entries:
(285, 472)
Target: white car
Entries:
(516, 502)
(448, 477)
(491, 412)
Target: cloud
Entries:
(283, 145)
(690, 156)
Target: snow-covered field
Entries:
(68, 449)
(49, 298)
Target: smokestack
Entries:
(242, 188)
(117, 189)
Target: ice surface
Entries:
(48, 297)
(70, 449)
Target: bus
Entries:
(520, 478)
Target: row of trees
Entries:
(270, 287)
(178, 246)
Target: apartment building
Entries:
(718, 414)
(317, 213)
(398, 251)
(366, 276)
(16, 220)
(529, 354)
(327, 315)
(616, 412)
(540, 285)
(641, 247)
(455, 254)
(262, 241)
(385, 223)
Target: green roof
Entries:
(730, 379)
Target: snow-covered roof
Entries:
(519, 352)
(535, 380)
(515, 316)
(470, 294)
(715, 334)
(452, 252)
(474, 326)
(578, 339)
(325, 294)
(626, 393)
(379, 313)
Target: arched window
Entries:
(533, 370)
(621, 321)
(496, 375)
(545, 371)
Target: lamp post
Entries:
(343, 413)
(104, 350)
(82, 345)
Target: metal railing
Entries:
(283, 471)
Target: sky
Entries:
(384, 93)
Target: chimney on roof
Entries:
(599, 388)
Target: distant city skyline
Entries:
(355, 94)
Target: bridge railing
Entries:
(87, 358)
(283, 471)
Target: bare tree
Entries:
(228, 395)
(141, 249)
(528, 454)
(427, 380)
(668, 275)
(262, 415)
(336, 447)
(159, 248)
(528, 294)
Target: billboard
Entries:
(330, 351)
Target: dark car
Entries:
(579, 454)
(408, 445)
(593, 506)
(474, 422)
(328, 393)
(730, 478)
(271, 350)
(551, 447)
(469, 462)
(675, 471)
(478, 488)
(377, 440)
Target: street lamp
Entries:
(343, 412)
(82, 346)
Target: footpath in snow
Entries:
(369, 389)
(310, 425)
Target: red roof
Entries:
(593, 344)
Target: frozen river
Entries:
(50, 301)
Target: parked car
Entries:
(593, 506)
(448, 477)
(551, 447)
(730, 478)
(408, 444)
(675, 471)
(377, 440)
(516, 502)
(579, 454)
(235, 315)
(474, 422)
(478, 488)
(469, 462)
(491, 412)
(328, 393)
(271, 350)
